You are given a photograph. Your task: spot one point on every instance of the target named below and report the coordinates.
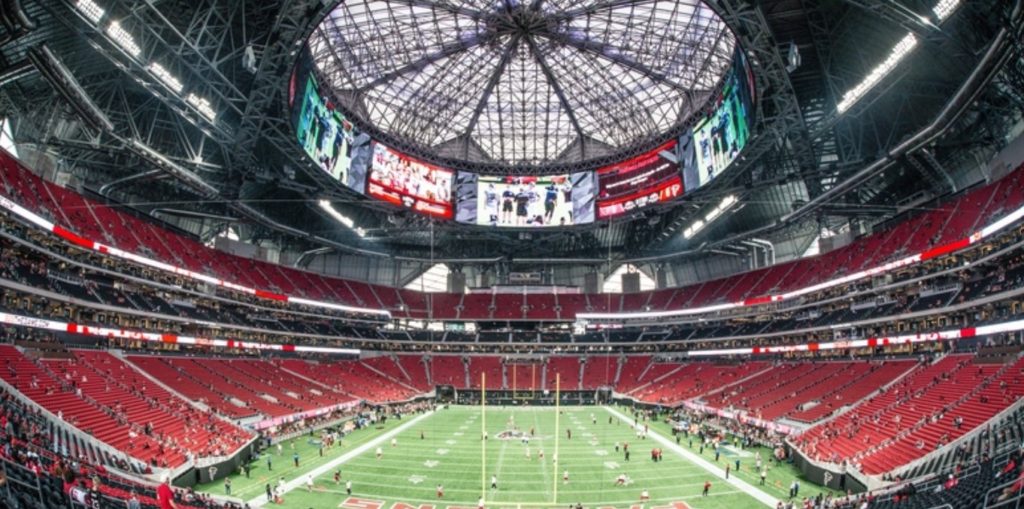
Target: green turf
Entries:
(779, 476)
(450, 454)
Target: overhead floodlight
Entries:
(174, 169)
(944, 8)
(202, 105)
(710, 217)
(902, 48)
(166, 77)
(90, 10)
(123, 39)
(61, 79)
(326, 206)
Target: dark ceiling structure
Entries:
(219, 152)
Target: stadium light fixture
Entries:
(710, 217)
(90, 10)
(202, 105)
(123, 39)
(164, 163)
(326, 206)
(944, 8)
(166, 77)
(902, 48)
(63, 81)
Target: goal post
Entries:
(558, 433)
(483, 436)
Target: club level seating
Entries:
(946, 222)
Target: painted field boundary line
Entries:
(714, 470)
(506, 481)
(261, 500)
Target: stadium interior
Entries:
(353, 253)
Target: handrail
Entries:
(1000, 503)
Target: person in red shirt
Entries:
(164, 495)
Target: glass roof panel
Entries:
(524, 81)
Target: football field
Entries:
(446, 448)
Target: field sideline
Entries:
(449, 453)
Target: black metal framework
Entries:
(527, 86)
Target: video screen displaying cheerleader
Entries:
(407, 182)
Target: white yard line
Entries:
(331, 465)
(743, 486)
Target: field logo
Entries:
(601, 452)
(431, 463)
(416, 479)
(450, 442)
(403, 505)
(611, 465)
(511, 434)
(442, 452)
(361, 503)
(672, 505)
